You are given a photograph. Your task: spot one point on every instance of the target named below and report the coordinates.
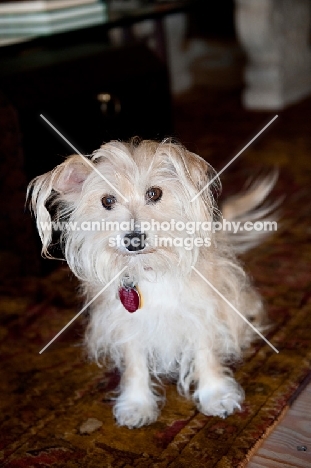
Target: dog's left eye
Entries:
(153, 194)
(108, 201)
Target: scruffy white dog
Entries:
(157, 314)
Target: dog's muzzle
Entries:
(134, 241)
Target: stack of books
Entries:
(22, 20)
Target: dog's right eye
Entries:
(108, 201)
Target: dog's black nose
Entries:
(134, 241)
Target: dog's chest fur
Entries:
(169, 322)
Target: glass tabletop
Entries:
(28, 20)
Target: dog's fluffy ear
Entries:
(205, 181)
(189, 166)
(70, 176)
(201, 173)
(62, 184)
(195, 174)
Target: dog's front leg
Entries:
(217, 392)
(136, 405)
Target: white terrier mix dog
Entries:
(159, 316)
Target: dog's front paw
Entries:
(220, 398)
(134, 413)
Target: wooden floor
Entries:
(280, 449)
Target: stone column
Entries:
(275, 35)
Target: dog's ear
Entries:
(199, 170)
(196, 175)
(69, 177)
(62, 185)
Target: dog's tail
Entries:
(251, 216)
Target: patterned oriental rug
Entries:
(56, 407)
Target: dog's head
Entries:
(126, 205)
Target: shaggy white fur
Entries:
(183, 328)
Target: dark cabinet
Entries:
(91, 93)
